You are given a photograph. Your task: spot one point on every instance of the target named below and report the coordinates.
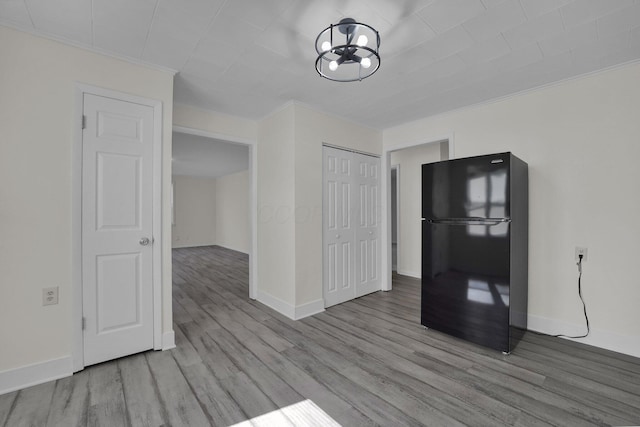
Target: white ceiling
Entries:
(248, 57)
(206, 157)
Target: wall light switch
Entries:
(50, 296)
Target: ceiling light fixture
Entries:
(347, 51)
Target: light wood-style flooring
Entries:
(364, 362)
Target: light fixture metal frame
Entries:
(346, 51)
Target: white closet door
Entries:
(368, 226)
(351, 212)
(339, 235)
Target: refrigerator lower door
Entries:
(465, 281)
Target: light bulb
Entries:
(333, 65)
(365, 62)
(362, 40)
(326, 45)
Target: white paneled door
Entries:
(339, 230)
(351, 207)
(368, 226)
(117, 241)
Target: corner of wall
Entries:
(293, 312)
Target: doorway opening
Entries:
(402, 190)
(214, 198)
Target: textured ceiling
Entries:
(248, 57)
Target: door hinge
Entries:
(84, 323)
(84, 121)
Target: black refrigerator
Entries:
(474, 249)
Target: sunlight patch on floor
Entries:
(301, 414)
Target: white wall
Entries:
(580, 139)
(290, 202)
(232, 211)
(276, 222)
(37, 115)
(212, 211)
(195, 211)
(223, 125)
(312, 129)
(410, 162)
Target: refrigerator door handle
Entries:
(469, 221)
(496, 221)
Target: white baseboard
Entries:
(168, 340)
(37, 373)
(291, 311)
(414, 274)
(233, 249)
(191, 245)
(277, 304)
(626, 344)
(309, 309)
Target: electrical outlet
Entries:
(50, 296)
(581, 251)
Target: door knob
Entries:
(371, 232)
(337, 236)
(145, 241)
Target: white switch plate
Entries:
(50, 296)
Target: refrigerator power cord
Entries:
(584, 306)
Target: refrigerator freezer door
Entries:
(476, 187)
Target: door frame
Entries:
(253, 196)
(76, 214)
(385, 177)
(395, 167)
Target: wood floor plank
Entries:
(106, 403)
(184, 353)
(180, 404)
(268, 383)
(296, 378)
(210, 352)
(580, 381)
(236, 316)
(70, 403)
(143, 403)
(340, 362)
(486, 358)
(241, 329)
(180, 314)
(221, 409)
(588, 352)
(6, 404)
(600, 370)
(405, 365)
(380, 411)
(447, 366)
(32, 406)
(247, 395)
